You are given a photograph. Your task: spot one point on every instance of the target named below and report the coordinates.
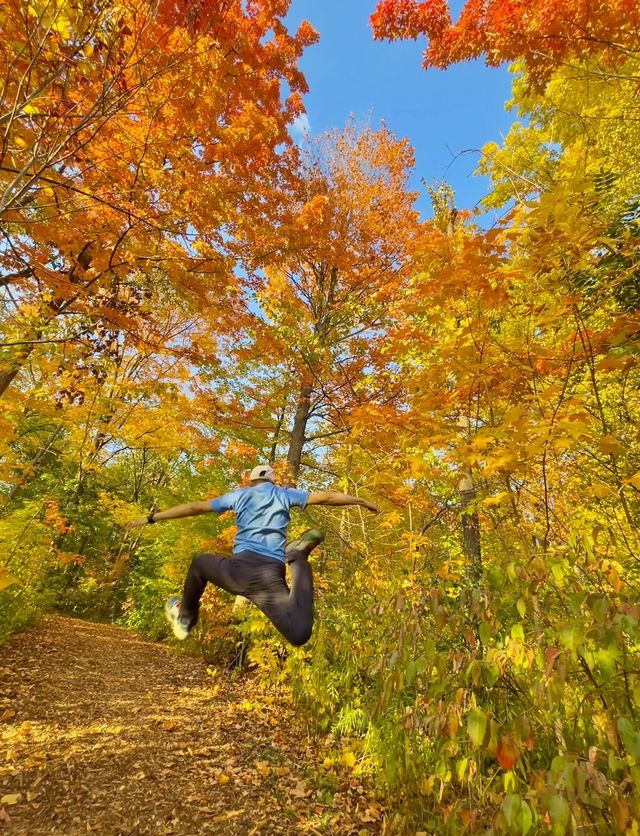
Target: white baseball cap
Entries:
(263, 471)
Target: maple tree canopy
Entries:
(546, 33)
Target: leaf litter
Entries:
(104, 732)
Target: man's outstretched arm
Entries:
(336, 499)
(190, 509)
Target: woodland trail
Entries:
(102, 731)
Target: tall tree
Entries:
(132, 141)
(341, 266)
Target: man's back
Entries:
(262, 516)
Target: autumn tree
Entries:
(545, 33)
(341, 264)
(119, 196)
(110, 170)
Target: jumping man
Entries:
(256, 568)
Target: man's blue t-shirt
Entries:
(262, 516)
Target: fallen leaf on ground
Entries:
(12, 798)
(230, 815)
(300, 790)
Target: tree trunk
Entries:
(276, 434)
(470, 530)
(35, 462)
(297, 437)
(6, 378)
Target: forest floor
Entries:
(102, 731)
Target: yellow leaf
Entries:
(13, 798)
(614, 579)
(608, 363)
(634, 480)
(348, 759)
(610, 444)
(498, 499)
(481, 442)
(223, 779)
(62, 25)
(6, 579)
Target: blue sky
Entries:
(441, 113)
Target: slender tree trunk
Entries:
(35, 462)
(471, 545)
(344, 517)
(446, 215)
(6, 378)
(297, 437)
(276, 434)
(470, 530)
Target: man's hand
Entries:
(336, 499)
(190, 509)
(135, 523)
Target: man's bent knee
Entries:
(200, 561)
(299, 636)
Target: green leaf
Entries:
(495, 577)
(570, 636)
(410, 673)
(521, 607)
(461, 768)
(510, 782)
(517, 632)
(476, 726)
(511, 807)
(490, 674)
(485, 632)
(560, 814)
(524, 819)
(630, 737)
(600, 608)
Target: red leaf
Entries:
(507, 753)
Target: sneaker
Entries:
(181, 628)
(304, 545)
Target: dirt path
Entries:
(101, 731)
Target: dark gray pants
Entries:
(262, 581)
